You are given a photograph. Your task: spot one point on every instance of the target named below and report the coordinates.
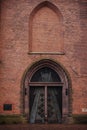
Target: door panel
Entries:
(54, 112)
(37, 104)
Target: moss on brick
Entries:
(80, 119)
(12, 119)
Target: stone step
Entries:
(43, 127)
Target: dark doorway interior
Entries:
(45, 104)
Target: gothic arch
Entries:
(65, 78)
(57, 35)
(49, 5)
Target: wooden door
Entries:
(54, 104)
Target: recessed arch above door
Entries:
(47, 77)
(45, 29)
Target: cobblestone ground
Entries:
(43, 127)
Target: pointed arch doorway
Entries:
(46, 98)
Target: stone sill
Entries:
(46, 53)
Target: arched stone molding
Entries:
(65, 78)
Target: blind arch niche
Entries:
(45, 29)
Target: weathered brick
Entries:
(15, 43)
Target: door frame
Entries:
(66, 91)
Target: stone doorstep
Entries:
(43, 127)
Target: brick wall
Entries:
(14, 48)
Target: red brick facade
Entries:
(32, 30)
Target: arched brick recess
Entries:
(45, 29)
(67, 99)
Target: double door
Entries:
(45, 104)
